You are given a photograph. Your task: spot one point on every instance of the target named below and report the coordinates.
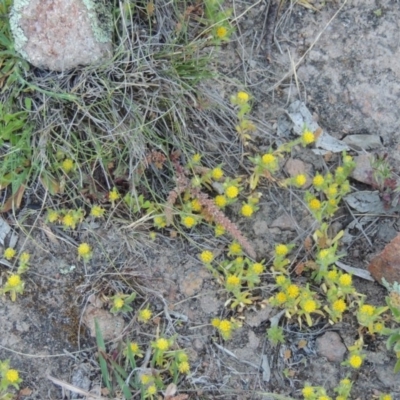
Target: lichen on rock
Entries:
(62, 34)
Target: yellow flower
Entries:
(281, 250)
(118, 303)
(332, 275)
(385, 397)
(268, 159)
(189, 221)
(233, 280)
(323, 397)
(219, 230)
(347, 159)
(162, 344)
(152, 390)
(314, 204)
(309, 306)
(247, 210)
(24, 258)
(323, 254)
(300, 180)
(113, 195)
(196, 158)
(97, 211)
(134, 347)
(293, 291)
(339, 170)
(196, 206)
(84, 250)
(257, 268)
(67, 165)
(221, 32)
(184, 367)
(281, 297)
(160, 222)
(242, 97)
(280, 280)
(220, 201)
(215, 322)
(367, 309)
(206, 256)
(232, 192)
(9, 253)
(332, 191)
(52, 216)
(12, 376)
(379, 326)
(225, 326)
(145, 315)
(68, 221)
(307, 391)
(339, 306)
(146, 379)
(217, 173)
(318, 181)
(345, 280)
(307, 137)
(355, 361)
(235, 248)
(13, 280)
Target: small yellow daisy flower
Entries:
(189, 221)
(367, 309)
(314, 204)
(225, 326)
(233, 280)
(221, 32)
(220, 201)
(162, 344)
(206, 256)
(184, 367)
(242, 97)
(160, 222)
(309, 306)
(151, 390)
(332, 275)
(52, 216)
(247, 210)
(307, 137)
(300, 180)
(318, 181)
(281, 250)
(385, 397)
(97, 211)
(215, 322)
(345, 280)
(145, 315)
(134, 347)
(355, 361)
(113, 195)
(195, 204)
(68, 221)
(268, 159)
(217, 173)
(281, 297)
(84, 251)
(13, 280)
(219, 230)
(24, 258)
(280, 280)
(293, 291)
(235, 248)
(9, 253)
(232, 192)
(307, 391)
(196, 158)
(118, 303)
(12, 376)
(67, 165)
(257, 268)
(339, 306)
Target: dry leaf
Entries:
(299, 268)
(287, 354)
(150, 8)
(14, 201)
(308, 244)
(302, 343)
(25, 392)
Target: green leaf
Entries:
(123, 386)
(397, 367)
(103, 364)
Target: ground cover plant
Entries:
(128, 144)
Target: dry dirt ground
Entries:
(350, 79)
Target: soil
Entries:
(350, 79)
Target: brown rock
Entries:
(191, 283)
(111, 326)
(363, 169)
(60, 34)
(330, 346)
(387, 263)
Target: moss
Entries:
(100, 19)
(19, 36)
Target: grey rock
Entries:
(330, 346)
(62, 34)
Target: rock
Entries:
(330, 346)
(110, 325)
(255, 319)
(387, 263)
(191, 283)
(363, 142)
(284, 222)
(62, 34)
(363, 170)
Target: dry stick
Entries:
(270, 20)
(293, 69)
